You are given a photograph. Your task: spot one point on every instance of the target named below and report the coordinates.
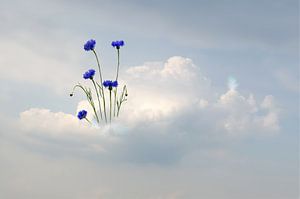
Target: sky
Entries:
(212, 110)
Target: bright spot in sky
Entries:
(232, 83)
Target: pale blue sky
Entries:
(256, 42)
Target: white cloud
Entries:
(45, 121)
(268, 102)
(173, 111)
(243, 115)
(271, 119)
(166, 109)
(179, 68)
(162, 88)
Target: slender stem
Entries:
(110, 105)
(101, 81)
(78, 85)
(115, 101)
(99, 67)
(116, 91)
(104, 105)
(122, 99)
(89, 98)
(118, 111)
(118, 66)
(98, 98)
(88, 120)
(94, 109)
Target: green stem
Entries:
(98, 98)
(115, 101)
(88, 120)
(101, 81)
(110, 105)
(118, 111)
(118, 66)
(99, 67)
(93, 106)
(116, 91)
(122, 99)
(89, 98)
(78, 85)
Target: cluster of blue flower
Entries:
(82, 114)
(112, 86)
(117, 44)
(89, 74)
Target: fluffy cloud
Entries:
(45, 121)
(177, 85)
(171, 107)
(164, 88)
(245, 116)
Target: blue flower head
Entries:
(82, 114)
(110, 84)
(117, 44)
(90, 45)
(89, 74)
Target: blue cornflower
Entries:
(90, 45)
(82, 114)
(110, 84)
(118, 44)
(89, 74)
